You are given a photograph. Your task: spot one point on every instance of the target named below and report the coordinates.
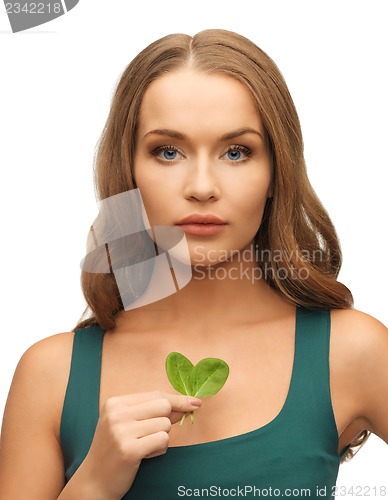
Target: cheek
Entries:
(150, 199)
(146, 186)
(252, 198)
(156, 198)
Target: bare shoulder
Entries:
(358, 331)
(49, 351)
(358, 361)
(43, 371)
(31, 421)
(50, 356)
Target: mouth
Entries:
(202, 225)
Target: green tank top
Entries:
(297, 451)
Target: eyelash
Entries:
(159, 149)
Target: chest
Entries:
(260, 363)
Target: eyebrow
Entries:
(226, 137)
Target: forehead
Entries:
(196, 102)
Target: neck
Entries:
(232, 291)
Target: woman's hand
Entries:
(129, 429)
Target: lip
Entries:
(202, 225)
(201, 219)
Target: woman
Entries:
(206, 131)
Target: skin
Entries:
(204, 174)
(242, 322)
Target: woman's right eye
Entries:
(166, 153)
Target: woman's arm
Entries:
(31, 463)
(365, 346)
(372, 351)
(130, 428)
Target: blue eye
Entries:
(234, 154)
(169, 154)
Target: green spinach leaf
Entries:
(204, 379)
(178, 369)
(208, 377)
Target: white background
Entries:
(55, 89)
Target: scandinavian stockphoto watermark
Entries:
(252, 274)
(268, 264)
(26, 15)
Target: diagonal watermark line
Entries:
(64, 7)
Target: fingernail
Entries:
(195, 402)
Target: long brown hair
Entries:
(294, 224)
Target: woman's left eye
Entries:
(234, 154)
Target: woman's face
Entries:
(201, 149)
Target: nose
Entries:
(202, 183)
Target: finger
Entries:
(181, 403)
(151, 426)
(161, 407)
(153, 444)
(150, 409)
(176, 400)
(156, 454)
